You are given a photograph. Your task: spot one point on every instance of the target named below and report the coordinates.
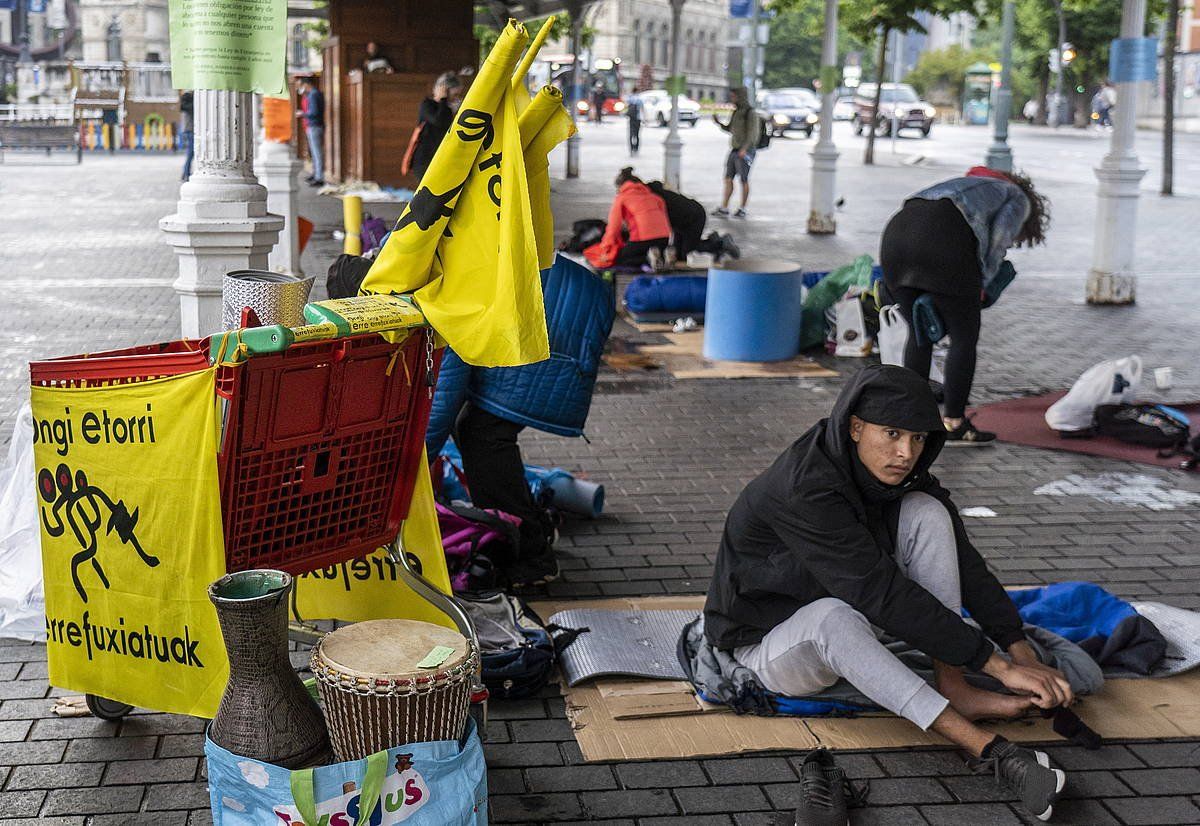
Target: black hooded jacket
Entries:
(815, 524)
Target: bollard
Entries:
(352, 219)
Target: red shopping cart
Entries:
(319, 448)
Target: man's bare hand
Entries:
(1047, 688)
(1022, 653)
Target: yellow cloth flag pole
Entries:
(518, 79)
(404, 263)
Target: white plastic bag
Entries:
(852, 338)
(22, 606)
(1109, 382)
(893, 338)
(893, 335)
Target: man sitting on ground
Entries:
(849, 530)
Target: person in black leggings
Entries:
(948, 241)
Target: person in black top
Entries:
(688, 217)
(849, 530)
(948, 242)
(436, 115)
(313, 102)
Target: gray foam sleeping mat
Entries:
(628, 643)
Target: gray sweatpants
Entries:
(827, 639)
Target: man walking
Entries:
(314, 129)
(743, 129)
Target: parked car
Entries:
(910, 111)
(788, 109)
(843, 108)
(656, 108)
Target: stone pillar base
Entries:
(276, 167)
(1112, 279)
(821, 217)
(206, 250)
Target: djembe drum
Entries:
(385, 683)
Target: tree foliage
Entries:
(487, 35)
(941, 75)
(794, 56)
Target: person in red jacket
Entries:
(638, 228)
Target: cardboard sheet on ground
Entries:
(683, 358)
(624, 719)
(1022, 422)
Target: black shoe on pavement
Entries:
(967, 435)
(720, 212)
(825, 792)
(315, 182)
(741, 213)
(1026, 772)
(537, 571)
(729, 247)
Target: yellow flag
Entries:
(404, 263)
(482, 290)
(544, 125)
(131, 538)
(370, 587)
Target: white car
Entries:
(843, 108)
(656, 108)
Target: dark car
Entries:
(898, 99)
(792, 109)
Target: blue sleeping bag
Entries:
(666, 294)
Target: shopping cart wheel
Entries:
(107, 709)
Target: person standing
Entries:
(743, 129)
(313, 102)
(633, 111)
(187, 132)
(377, 61)
(434, 119)
(109, 120)
(946, 247)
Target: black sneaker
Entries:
(720, 212)
(967, 435)
(741, 213)
(1026, 772)
(825, 792)
(537, 571)
(729, 247)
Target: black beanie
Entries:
(901, 399)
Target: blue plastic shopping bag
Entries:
(421, 784)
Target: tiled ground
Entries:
(673, 455)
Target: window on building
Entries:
(637, 41)
(299, 46)
(113, 42)
(688, 54)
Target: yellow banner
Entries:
(468, 245)
(131, 538)
(370, 587)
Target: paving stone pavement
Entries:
(86, 269)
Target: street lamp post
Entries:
(1112, 279)
(999, 154)
(821, 220)
(575, 10)
(673, 145)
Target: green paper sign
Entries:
(675, 84)
(830, 78)
(436, 656)
(234, 45)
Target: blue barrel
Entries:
(752, 313)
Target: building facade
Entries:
(130, 30)
(639, 33)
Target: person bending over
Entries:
(687, 217)
(949, 241)
(638, 228)
(849, 530)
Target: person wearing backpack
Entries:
(943, 260)
(744, 128)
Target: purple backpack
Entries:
(373, 232)
(478, 544)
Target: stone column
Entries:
(821, 218)
(1112, 279)
(276, 165)
(672, 145)
(999, 154)
(221, 223)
